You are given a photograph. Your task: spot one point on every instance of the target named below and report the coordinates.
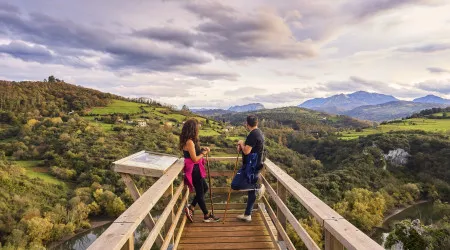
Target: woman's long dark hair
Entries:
(189, 132)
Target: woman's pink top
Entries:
(189, 167)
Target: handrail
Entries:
(123, 227)
(342, 230)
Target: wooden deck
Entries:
(233, 234)
(267, 230)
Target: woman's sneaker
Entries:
(189, 214)
(211, 218)
(243, 217)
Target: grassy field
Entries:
(428, 125)
(118, 106)
(33, 171)
(208, 132)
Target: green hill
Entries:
(298, 119)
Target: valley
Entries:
(56, 150)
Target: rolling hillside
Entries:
(298, 119)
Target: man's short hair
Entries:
(252, 120)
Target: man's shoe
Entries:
(211, 218)
(260, 192)
(243, 217)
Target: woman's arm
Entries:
(191, 148)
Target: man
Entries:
(252, 155)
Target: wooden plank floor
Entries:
(233, 234)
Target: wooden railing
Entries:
(338, 232)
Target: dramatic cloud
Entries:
(216, 53)
(364, 9)
(212, 74)
(436, 70)
(149, 57)
(245, 91)
(353, 84)
(283, 97)
(6, 7)
(290, 73)
(38, 53)
(427, 48)
(234, 35)
(27, 52)
(435, 86)
(168, 34)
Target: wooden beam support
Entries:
(129, 245)
(302, 233)
(278, 226)
(282, 194)
(148, 243)
(135, 194)
(173, 226)
(267, 223)
(331, 243)
(179, 234)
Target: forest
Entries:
(72, 135)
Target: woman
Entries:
(194, 169)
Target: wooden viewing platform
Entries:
(266, 231)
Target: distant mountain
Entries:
(339, 104)
(247, 107)
(234, 109)
(210, 112)
(390, 111)
(432, 99)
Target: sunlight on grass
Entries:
(118, 106)
(33, 171)
(427, 125)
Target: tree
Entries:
(408, 234)
(362, 207)
(51, 79)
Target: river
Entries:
(426, 212)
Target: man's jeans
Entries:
(240, 182)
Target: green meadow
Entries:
(118, 106)
(34, 171)
(424, 124)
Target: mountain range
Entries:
(373, 106)
(341, 103)
(233, 109)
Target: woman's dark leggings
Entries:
(201, 188)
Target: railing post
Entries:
(331, 243)
(281, 192)
(129, 245)
(169, 221)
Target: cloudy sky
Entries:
(217, 54)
